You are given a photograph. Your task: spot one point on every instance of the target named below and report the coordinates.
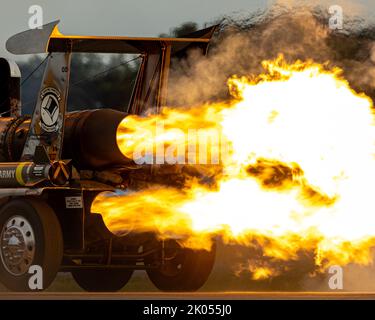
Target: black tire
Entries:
(184, 269)
(46, 252)
(102, 280)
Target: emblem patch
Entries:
(50, 109)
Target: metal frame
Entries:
(150, 90)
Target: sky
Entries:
(138, 17)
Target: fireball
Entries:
(296, 150)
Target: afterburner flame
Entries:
(299, 173)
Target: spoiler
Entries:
(50, 39)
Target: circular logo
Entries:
(50, 109)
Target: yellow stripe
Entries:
(19, 173)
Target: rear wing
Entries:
(150, 90)
(50, 39)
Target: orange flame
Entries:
(299, 173)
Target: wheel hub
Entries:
(173, 258)
(17, 245)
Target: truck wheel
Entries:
(183, 269)
(102, 280)
(30, 235)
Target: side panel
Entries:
(71, 214)
(47, 123)
(72, 207)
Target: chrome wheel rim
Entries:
(17, 245)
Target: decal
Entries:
(50, 109)
(73, 202)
